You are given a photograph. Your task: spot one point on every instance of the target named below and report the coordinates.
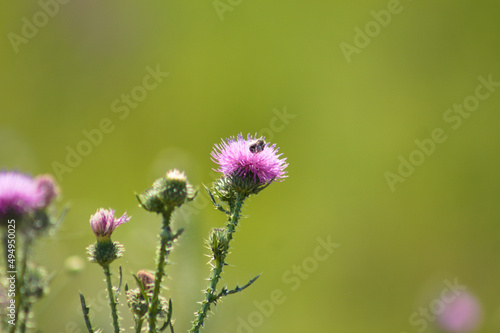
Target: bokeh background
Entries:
(277, 69)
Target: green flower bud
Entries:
(36, 283)
(105, 252)
(137, 304)
(167, 192)
(150, 201)
(147, 279)
(218, 243)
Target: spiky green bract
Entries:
(105, 252)
(218, 243)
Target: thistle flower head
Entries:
(19, 194)
(103, 223)
(249, 158)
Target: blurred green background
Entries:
(344, 121)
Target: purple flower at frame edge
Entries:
(461, 313)
(47, 187)
(103, 223)
(20, 194)
(250, 157)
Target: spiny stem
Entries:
(24, 301)
(166, 239)
(112, 300)
(235, 216)
(211, 296)
(25, 308)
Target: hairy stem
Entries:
(112, 300)
(26, 309)
(138, 325)
(232, 223)
(166, 240)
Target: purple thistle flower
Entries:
(19, 194)
(461, 315)
(103, 223)
(249, 158)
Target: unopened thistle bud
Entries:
(137, 304)
(135, 299)
(167, 192)
(147, 279)
(218, 243)
(36, 282)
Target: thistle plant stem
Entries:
(138, 325)
(19, 278)
(85, 310)
(26, 309)
(166, 239)
(112, 300)
(24, 304)
(232, 223)
(211, 292)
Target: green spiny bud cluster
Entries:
(170, 191)
(218, 242)
(136, 302)
(36, 283)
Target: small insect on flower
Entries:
(256, 146)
